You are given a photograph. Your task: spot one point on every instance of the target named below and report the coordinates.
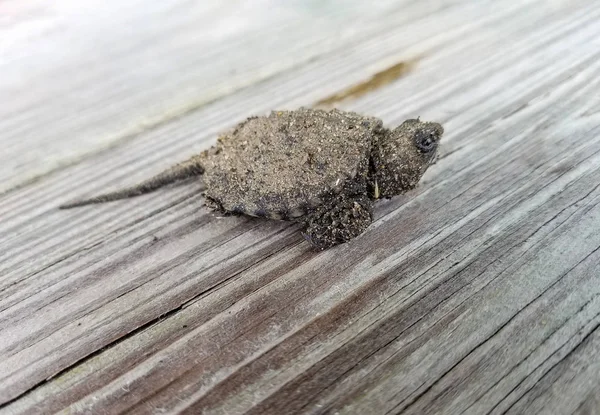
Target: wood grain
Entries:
(477, 293)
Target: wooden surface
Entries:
(479, 292)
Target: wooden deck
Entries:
(477, 293)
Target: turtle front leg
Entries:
(343, 220)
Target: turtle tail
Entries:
(181, 171)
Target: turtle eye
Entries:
(425, 141)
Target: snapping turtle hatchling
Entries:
(322, 168)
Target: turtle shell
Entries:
(284, 165)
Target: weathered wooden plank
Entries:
(176, 141)
(475, 293)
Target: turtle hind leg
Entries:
(344, 220)
(181, 171)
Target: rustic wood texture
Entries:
(479, 292)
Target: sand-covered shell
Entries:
(283, 165)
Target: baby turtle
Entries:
(321, 168)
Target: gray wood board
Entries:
(476, 293)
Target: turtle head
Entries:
(401, 157)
